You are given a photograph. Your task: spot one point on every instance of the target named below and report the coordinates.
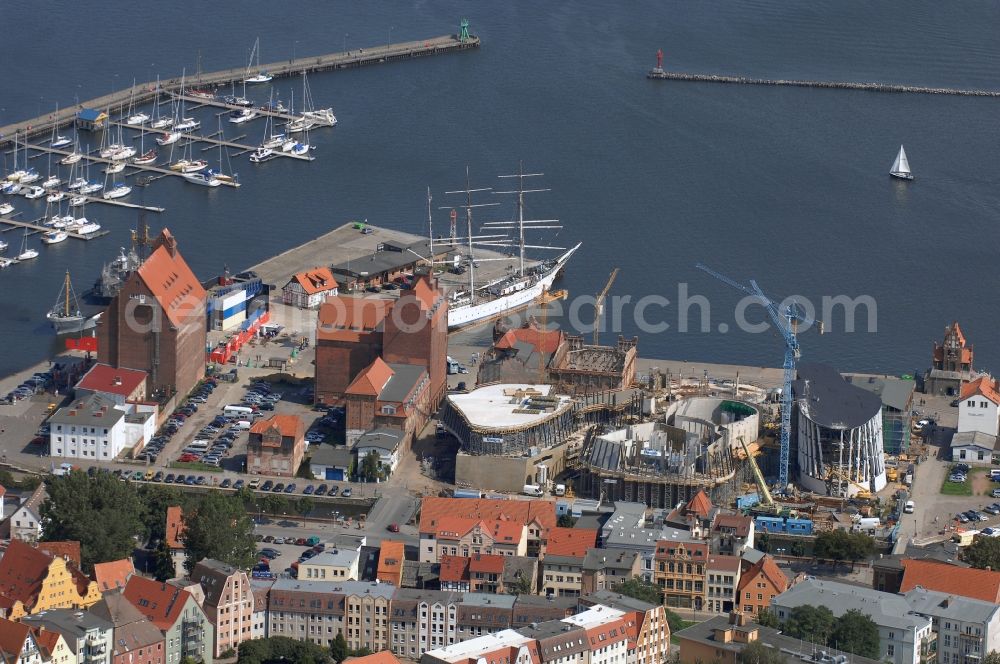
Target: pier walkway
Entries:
(657, 73)
(142, 93)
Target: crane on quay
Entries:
(786, 321)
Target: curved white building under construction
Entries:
(838, 433)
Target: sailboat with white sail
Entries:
(901, 167)
(27, 253)
(58, 141)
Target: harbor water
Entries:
(788, 186)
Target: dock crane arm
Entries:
(599, 303)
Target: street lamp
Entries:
(346, 35)
(391, 28)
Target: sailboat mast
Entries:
(430, 229)
(468, 219)
(520, 212)
(66, 306)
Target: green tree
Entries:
(639, 589)
(163, 562)
(992, 658)
(855, 632)
(566, 520)
(218, 527)
(281, 648)
(758, 653)
(155, 500)
(839, 545)
(763, 542)
(103, 513)
(304, 505)
(339, 651)
(982, 553)
(859, 547)
(810, 623)
(767, 618)
(798, 548)
(521, 586)
(371, 466)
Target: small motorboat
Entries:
(203, 179)
(91, 188)
(78, 183)
(53, 237)
(120, 190)
(237, 101)
(239, 117)
(11, 188)
(33, 192)
(115, 167)
(148, 157)
(262, 154)
(137, 119)
(71, 158)
(60, 142)
(77, 201)
(201, 94)
(187, 124)
(276, 107)
(169, 137)
(55, 197)
(88, 228)
(30, 176)
(261, 77)
(162, 123)
(3, 245)
(6, 208)
(52, 182)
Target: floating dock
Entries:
(662, 74)
(119, 102)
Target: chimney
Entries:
(117, 380)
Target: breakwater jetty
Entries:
(141, 93)
(662, 74)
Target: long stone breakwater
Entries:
(833, 85)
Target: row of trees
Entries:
(852, 632)
(110, 518)
(284, 649)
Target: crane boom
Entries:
(759, 476)
(599, 302)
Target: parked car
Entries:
(238, 484)
(308, 491)
(321, 490)
(267, 485)
(962, 518)
(393, 527)
(990, 509)
(346, 493)
(279, 487)
(290, 488)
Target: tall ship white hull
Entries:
(488, 307)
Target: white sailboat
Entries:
(73, 156)
(26, 253)
(58, 141)
(901, 167)
(261, 76)
(320, 116)
(6, 208)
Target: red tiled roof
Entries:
(171, 281)
(47, 640)
(105, 378)
(454, 569)
(767, 568)
(957, 330)
(964, 581)
(175, 527)
(372, 379)
(317, 280)
(699, 505)
(722, 563)
(503, 531)
(573, 542)
(739, 523)
(983, 385)
(391, 555)
(342, 318)
(433, 509)
(633, 622)
(486, 562)
(12, 637)
(67, 550)
(114, 574)
(544, 341)
(22, 570)
(161, 603)
(290, 426)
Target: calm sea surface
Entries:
(785, 185)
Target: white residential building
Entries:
(967, 629)
(96, 428)
(26, 521)
(979, 407)
(902, 634)
(384, 442)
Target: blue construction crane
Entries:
(785, 322)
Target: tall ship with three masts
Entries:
(496, 298)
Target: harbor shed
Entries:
(91, 119)
(308, 289)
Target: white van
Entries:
(242, 425)
(236, 410)
(532, 490)
(198, 445)
(909, 507)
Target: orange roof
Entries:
(175, 527)
(317, 280)
(738, 522)
(572, 542)
(161, 603)
(957, 331)
(767, 568)
(47, 640)
(433, 509)
(699, 505)
(964, 581)
(12, 637)
(391, 555)
(372, 379)
(342, 318)
(633, 621)
(171, 281)
(382, 657)
(545, 341)
(105, 378)
(454, 569)
(68, 550)
(290, 426)
(22, 570)
(607, 633)
(114, 574)
(985, 386)
(490, 563)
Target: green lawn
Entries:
(673, 632)
(956, 488)
(195, 465)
